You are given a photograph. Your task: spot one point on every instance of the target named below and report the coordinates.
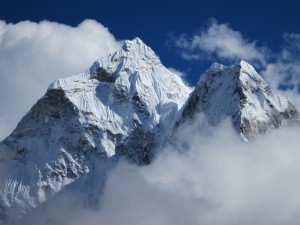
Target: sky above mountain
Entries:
(41, 41)
(160, 24)
(228, 182)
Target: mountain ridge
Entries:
(121, 107)
(125, 105)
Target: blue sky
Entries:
(41, 41)
(264, 22)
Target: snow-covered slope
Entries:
(241, 93)
(123, 106)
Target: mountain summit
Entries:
(125, 105)
(241, 93)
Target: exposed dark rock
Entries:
(138, 147)
(102, 75)
(139, 105)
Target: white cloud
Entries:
(177, 72)
(182, 75)
(217, 179)
(32, 55)
(208, 176)
(219, 40)
(284, 72)
(285, 77)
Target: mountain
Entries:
(124, 105)
(241, 93)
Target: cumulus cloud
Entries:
(221, 41)
(207, 175)
(32, 55)
(214, 178)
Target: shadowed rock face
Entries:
(101, 75)
(40, 137)
(138, 147)
(240, 93)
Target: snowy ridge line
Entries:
(240, 93)
(126, 105)
(123, 106)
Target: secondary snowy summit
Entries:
(241, 93)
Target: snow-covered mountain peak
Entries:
(133, 70)
(241, 93)
(138, 50)
(136, 45)
(244, 64)
(131, 81)
(133, 56)
(123, 106)
(247, 71)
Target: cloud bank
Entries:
(208, 176)
(32, 55)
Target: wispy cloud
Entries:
(32, 55)
(177, 72)
(283, 73)
(218, 40)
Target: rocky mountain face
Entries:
(125, 106)
(241, 93)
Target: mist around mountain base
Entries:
(205, 175)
